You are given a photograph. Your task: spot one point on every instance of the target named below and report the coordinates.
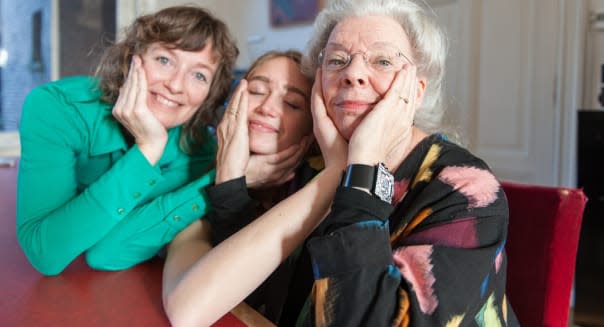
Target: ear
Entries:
(422, 83)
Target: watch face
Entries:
(384, 184)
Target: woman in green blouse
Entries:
(113, 166)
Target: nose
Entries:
(175, 81)
(355, 74)
(270, 106)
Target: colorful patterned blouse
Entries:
(434, 257)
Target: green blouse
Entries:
(82, 189)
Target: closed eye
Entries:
(292, 105)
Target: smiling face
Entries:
(177, 81)
(350, 93)
(279, 109)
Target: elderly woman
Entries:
(112, 166)
(417, 225)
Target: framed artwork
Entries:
(291, 12)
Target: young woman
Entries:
(267, 124)
(113, 166)
(416, 229)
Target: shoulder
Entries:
(444, 168)
(71, 89)
(62, 95)
(71, 105)
(444, 153)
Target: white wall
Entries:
(248, 21)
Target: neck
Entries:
(400, 152)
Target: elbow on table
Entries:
(38, 255)
(47, 267)
(181, 315)
(100, 260)
(176, 315)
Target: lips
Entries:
(165, 101)
(354, 106)
(260, 126)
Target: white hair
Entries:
(428, 43)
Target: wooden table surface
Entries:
(81, 296)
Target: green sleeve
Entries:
(147, 228)
(56, 222)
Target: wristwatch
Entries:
(377, 180)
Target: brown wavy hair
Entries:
(186, 28)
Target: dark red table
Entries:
(81, 296)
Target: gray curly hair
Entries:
(427, 39)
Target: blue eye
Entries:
(383, 61)
(163, 60)
(201, 77)
(336, 61)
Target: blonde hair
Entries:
(293, 55)
(427, 39)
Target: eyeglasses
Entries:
(381, 58)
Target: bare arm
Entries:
(187, 247)
(232, 270)
(239, 264)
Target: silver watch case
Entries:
(384, 183)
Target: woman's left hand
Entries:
(386, 131)
(233, 140)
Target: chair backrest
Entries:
(543, 236)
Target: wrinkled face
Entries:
(177, 81)
(278, 106)
(352, 91)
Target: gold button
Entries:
(121, 211)
(152, 182)
(195, 207)
(136, 195)
(176, 218)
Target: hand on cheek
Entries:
(132, 112)
(333, 145)
(233, 140)
(266, 170)
(386, 130)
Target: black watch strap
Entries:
(358, 175)
(376, 180)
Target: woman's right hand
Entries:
(266, 170)
(132, 112)
(334, 147)
(233, 140)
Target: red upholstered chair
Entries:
(543, 236)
